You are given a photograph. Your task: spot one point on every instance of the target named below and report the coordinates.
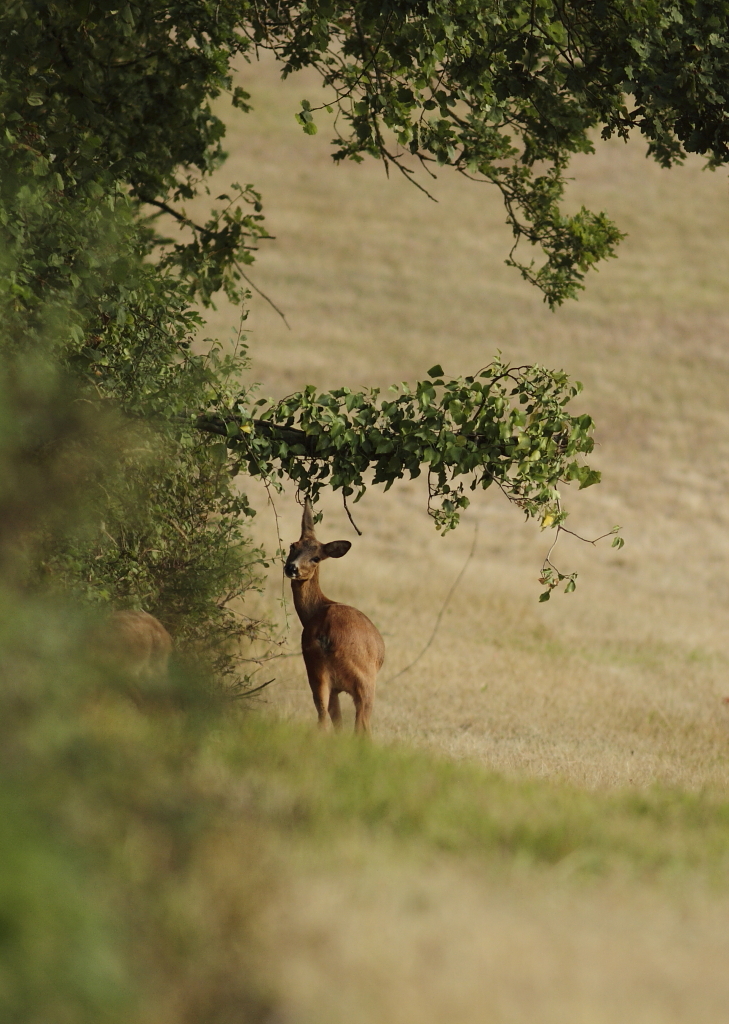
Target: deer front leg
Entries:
(320, 684)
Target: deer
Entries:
(135, 644)
(343, 651)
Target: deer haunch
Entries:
(135, 644)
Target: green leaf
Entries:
(588, 477)
(219, 452)
(545, 596)
(435, 371)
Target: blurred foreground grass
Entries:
(146, 855)
(114, 854)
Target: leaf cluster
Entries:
(118, 96)
(506, 91)
(504, 425)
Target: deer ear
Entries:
(307, 520)
(337, 548)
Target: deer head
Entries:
(307, 552)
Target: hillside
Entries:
(614, 689)
(621, 682)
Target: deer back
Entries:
(133, 642)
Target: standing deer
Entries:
(343, 651)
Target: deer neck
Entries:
(308, 597)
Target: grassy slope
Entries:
(623, 681)
(317, 788)
(210, 866)
(412, 889)
(256, 865)
(404, 887)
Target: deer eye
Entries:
(316, 559)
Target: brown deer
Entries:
(343, 651)
(134, 644)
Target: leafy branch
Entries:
(504, 425)
(212, 260)
(551, 576)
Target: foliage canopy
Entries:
(107, 130)
(505, 90)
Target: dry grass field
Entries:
(620, 684)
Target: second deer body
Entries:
(134, 645)
(343, 651)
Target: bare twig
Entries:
(207, 233)
(249, 693)
(263, 295)
(407, 173)
(264, 659)
(451, 592)
(586, 540)
(173, 524)
(349, 514)
(280, 548)
(166, 208)
(550, 570)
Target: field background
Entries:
(619, 685)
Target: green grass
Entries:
(310, 788)
(142, 849)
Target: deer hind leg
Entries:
(364, 701)
(321, 696)
(335, 712)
